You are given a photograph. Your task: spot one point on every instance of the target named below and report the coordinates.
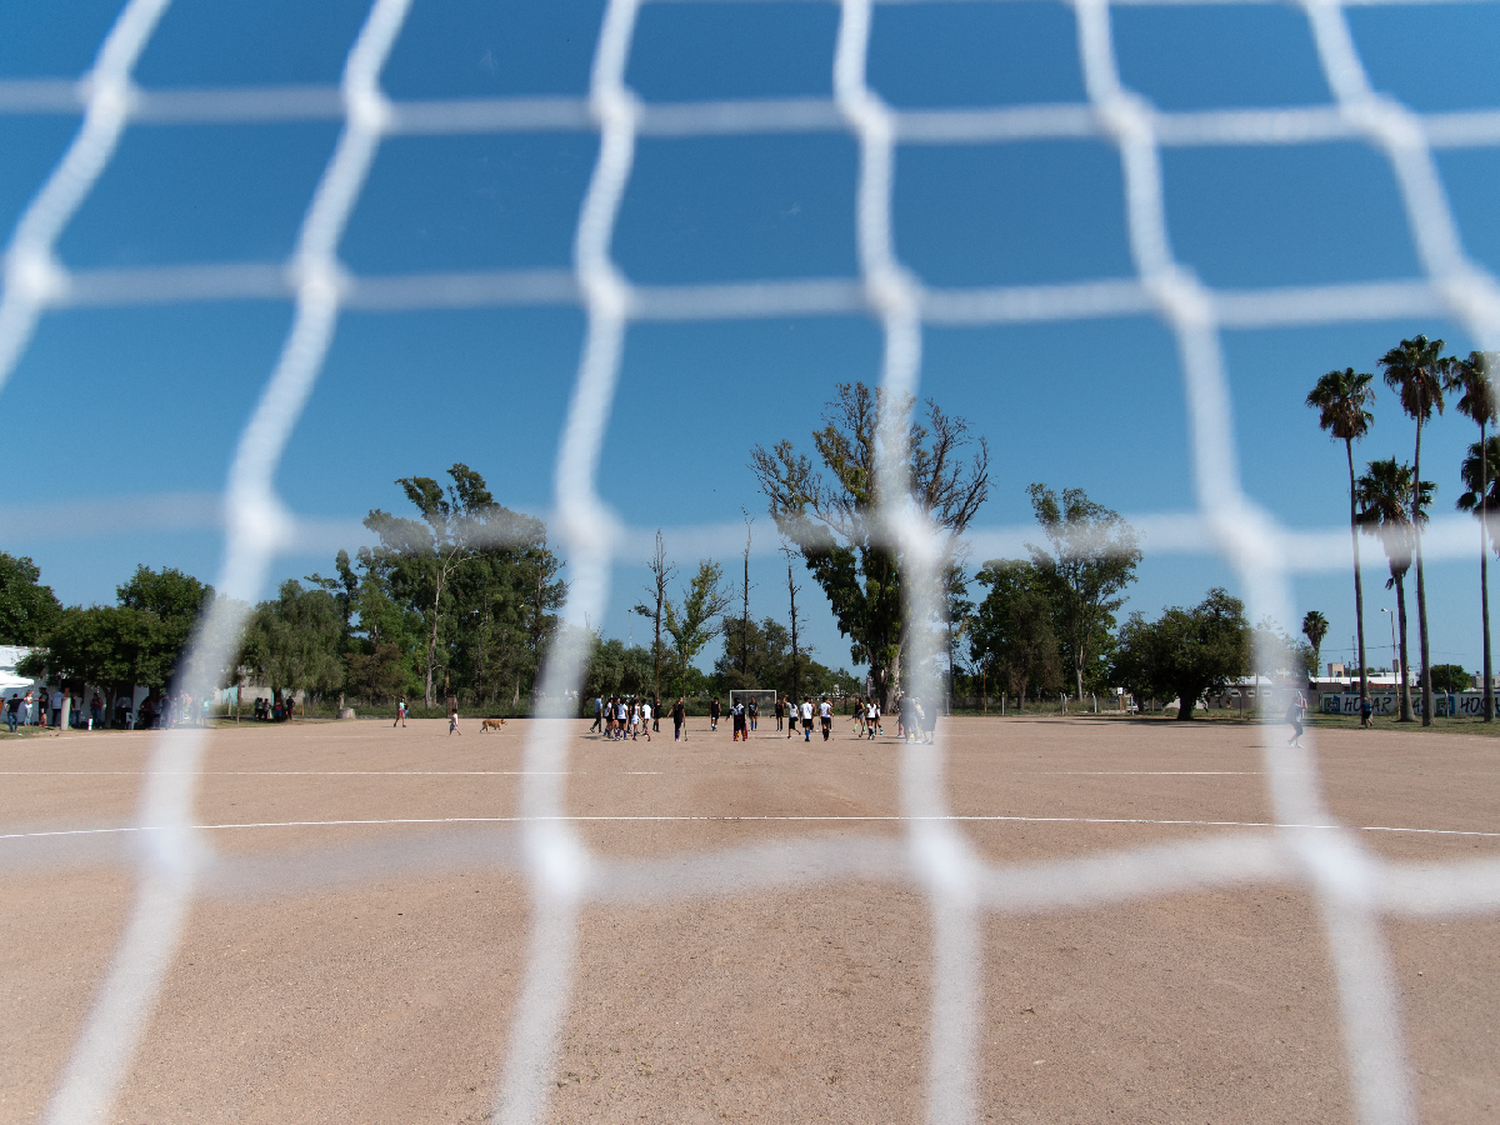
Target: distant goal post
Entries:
(763, 698)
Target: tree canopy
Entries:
(27, 608)
(835, 520)
(1185, 653)
(1092, 558)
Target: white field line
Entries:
(668, 818)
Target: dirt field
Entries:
(386, 998)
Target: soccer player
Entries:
(780, 710)
(825, 714)
(739, 723)
(713, 714)
(807, 713)
(679, 716)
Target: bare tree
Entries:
(661, 574)
(792, 590)
(745, 593)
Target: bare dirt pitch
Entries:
(354, 985)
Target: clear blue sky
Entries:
(114, 411)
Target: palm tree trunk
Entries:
(1405, 686)
(1359, 592)
(1416, 518)
(1484, 572)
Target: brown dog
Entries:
(491, 724)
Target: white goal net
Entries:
(1357, 890)
(764, 701)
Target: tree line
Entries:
(1391, 500)
(461, 598)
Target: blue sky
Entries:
(118, 416)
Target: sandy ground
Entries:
(375, 993)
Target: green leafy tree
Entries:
(1011, 638)
(116, 647)
(380, 675)
(1342, 399)
(606, 667)
(1472, 379)
(1093, 557)
(1315, 628)
(176, 599)
(698, 618)
(834, 521)
(1185, 653)
(27, 608)
(479, 577)
(1449, 677)
(423, 555)
(293, 642)
(1386, 492)
(1415, 370)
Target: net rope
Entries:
(174, 860)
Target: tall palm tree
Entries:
(1342, 399)
(1389, 501)
(1415, 370)
(1315, 628)
(1471, 378)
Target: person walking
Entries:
(598, 715)
(453, 723)
(825, 717)
(400, 713)
(679, 717)
(807, 714)
(714, 712)
(647, 713)
(12, 709)
(1366, 714)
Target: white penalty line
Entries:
(626, 819)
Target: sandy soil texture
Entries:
(364, 964)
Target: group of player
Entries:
(629, 717)
(622, 717)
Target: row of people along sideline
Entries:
(59, 709)
(626, 717)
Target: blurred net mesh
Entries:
(1355, 890)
